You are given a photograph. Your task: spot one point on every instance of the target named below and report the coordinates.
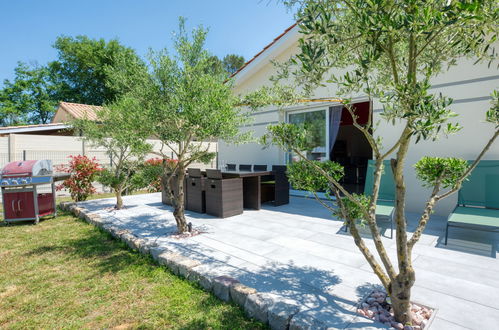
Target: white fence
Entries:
(17, 147)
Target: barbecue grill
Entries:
(21, 182)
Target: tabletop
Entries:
(243, 174)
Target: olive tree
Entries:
(388, 51)
(120, 131)
(185, 103)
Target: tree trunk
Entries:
(400, 295)
(178, 201)
(400, 288)
(119, 199)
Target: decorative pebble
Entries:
(398, 326)
(377, 307)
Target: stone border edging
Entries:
(277, 314)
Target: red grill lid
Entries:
(28, 168)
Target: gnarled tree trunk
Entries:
(400, 294)
(118, 191)
(178, 198)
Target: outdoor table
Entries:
(251, 186)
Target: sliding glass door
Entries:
(316, 123)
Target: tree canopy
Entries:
(120, 132)
(228, 65)
(30, 98)
(80, 69)
(185, 102)
(79, 75)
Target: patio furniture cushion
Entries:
(259, 167)
(214, 174)
(475, 216)
(387, 184)
(478, 200)
(194, 172)
(482, 186)
(243, 167)
(384, 208)
(386, 195)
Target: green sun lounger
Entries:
(385, 204)
(478, 200)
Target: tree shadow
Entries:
(312, 288)
(106, 254)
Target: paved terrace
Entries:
(299, 253)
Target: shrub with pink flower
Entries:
(83, 171)
(153, 170)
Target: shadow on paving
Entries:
(484, 244)
(306, 286)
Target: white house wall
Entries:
(469, 85)
(471, 93)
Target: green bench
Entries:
(478, 200)
(385, 204)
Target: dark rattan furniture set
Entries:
(226, 193)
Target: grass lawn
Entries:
(65, 273)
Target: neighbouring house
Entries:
(469, 85)
(68, 111)
(55, 141)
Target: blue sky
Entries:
(28, 28)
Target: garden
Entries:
(320, 262)
(65, 273)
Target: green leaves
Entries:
(353, 211)
(121, 130)
(288, 137)
(492, 115)
(390, 51)
(30, 98)
(185, 98)
(311, 175)
(80, 72)
(446, 172)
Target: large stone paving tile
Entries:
(460, 311)
(472, 291)
(308, 246)
(457, 270)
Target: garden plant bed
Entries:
(376, 306)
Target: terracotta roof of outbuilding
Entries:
(264, 49)
(80, 111)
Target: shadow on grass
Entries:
(107, 254)
(227, 322)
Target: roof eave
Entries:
(40, 128)
(270, 52)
